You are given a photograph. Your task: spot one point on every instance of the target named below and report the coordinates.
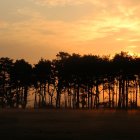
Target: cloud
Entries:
(111, 26)
(97, 25)
(59, 2)
(97, 3)
(3, 24)
(132, 47)
(101, 3)
(25, 11)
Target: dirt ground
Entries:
(69, 124)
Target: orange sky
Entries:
(32, 29)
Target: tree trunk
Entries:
(109, 92)
(88, 90)
(97, 95)
(45, 100)
(103, 94)
(136, 94)
(35, 101)
(17, 97)
(91, 104)
(123, 93)
(120, 94)
(77, 103)
(40, 94)
(25, 96)
(58, 99)
(127, 85)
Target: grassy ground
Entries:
(69, 124)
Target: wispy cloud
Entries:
(3, 24)
(59, 2)
(98, 3)
(25, 11)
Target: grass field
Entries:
(69, 124)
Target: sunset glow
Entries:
(32, 29)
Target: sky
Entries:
(34, 29)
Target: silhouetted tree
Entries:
(42, 78)
(6, 65)
(86, 81)
(21, 80)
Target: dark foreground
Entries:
(69, 124)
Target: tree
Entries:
(6, 65)
(21, 81)
(42, 77)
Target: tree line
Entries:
(71, 81)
